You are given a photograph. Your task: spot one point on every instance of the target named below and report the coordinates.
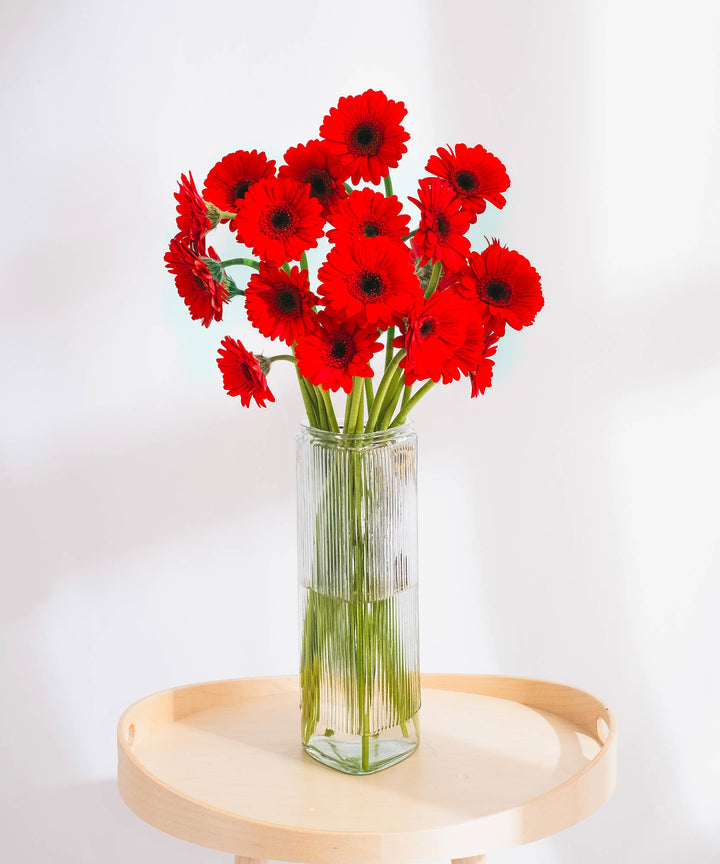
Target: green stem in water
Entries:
(411, 403)
(434, 279)
(247, 262)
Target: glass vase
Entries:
(357, 561)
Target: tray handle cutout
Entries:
(603, 729)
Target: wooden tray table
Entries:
(501, 762)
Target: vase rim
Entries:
(355, 439)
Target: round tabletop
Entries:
(501, 762)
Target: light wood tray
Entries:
(501, 762)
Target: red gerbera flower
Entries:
(505, 284)
(203, 295)
(373, 280)
(313, 163)
(229, 180)
(279, 220)
(436, 330)
(335, 352)
(366, 213)
(366, 134)
(242, 374)
(280, 304)
(471, 354)
(481, 378)
(192, 220)
(475, 175)
(443, 224)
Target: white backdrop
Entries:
(568, 519)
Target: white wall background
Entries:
(569, 521)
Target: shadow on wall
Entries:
(88, 823)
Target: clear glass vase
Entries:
(357, 557)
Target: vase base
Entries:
(347, 755)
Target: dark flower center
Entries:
(281, 219)
(443, 225)
(366, 139)
(369, 285)
(497, 290)
(340, 352)
(286, 300)
(466, 181)
(321, 184)
(427, 328)
(371, 229)
(241, 188)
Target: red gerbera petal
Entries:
(366, 213)
(436, 330)
(279, 220)
(242, 373)
(229, 180)
(335, 352)
(475, 175)
(443, 224)
(365, 132)
(315, 164)
(203, 296)
(505, 284)
(192, 220)
(280, 304)
(373, 280)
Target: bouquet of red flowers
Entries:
(435, 306)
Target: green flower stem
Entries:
(309, 402)
(289, 357)
(248, 262)
(320, 407)
(410, 235)
(378, 402)
(332, 421)
(349, 188)
(394, 391)
(286, 267)
(434, 279)
(303, 262)
(369, 395)
(388, 185)
(354, 407)
(411, 403)
(222, 214)
(389, 346)
(407, 393)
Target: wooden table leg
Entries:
(476, 859)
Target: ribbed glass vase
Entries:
(357, 556)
